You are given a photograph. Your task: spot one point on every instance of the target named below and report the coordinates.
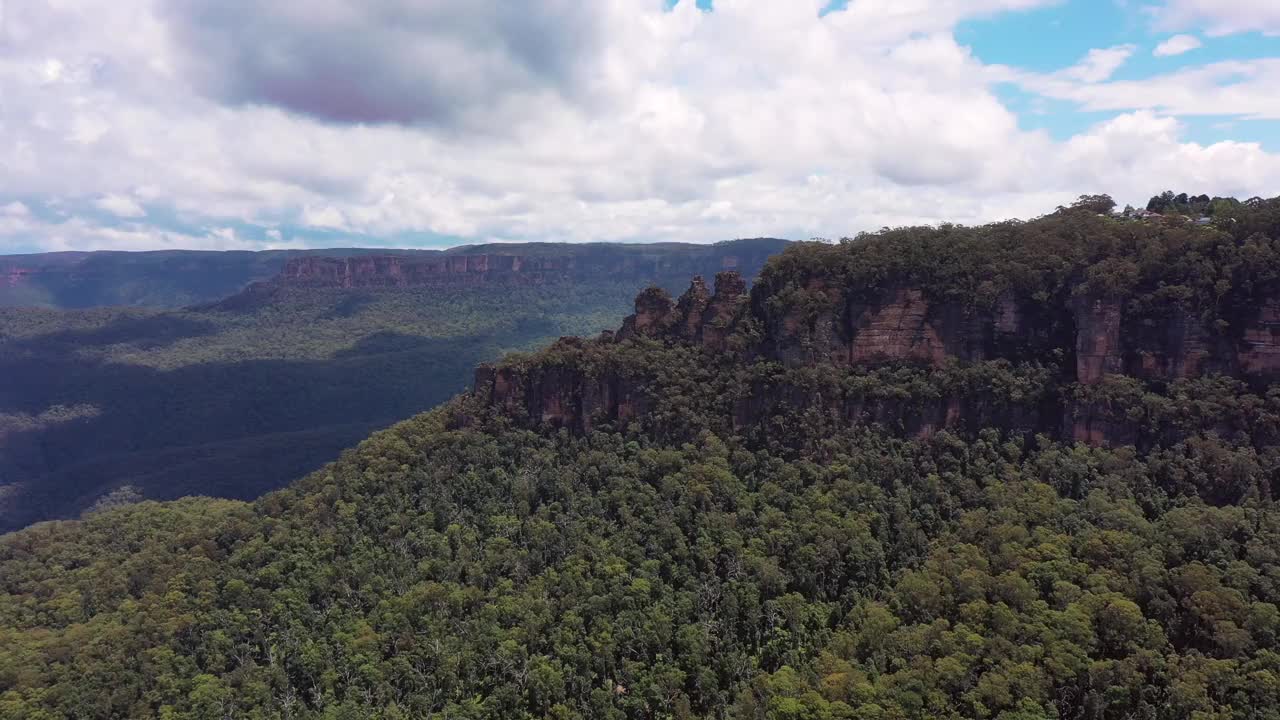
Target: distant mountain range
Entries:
(179, 278)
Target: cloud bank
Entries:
(238, 124)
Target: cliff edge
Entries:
(1093, 328)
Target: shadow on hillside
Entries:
(352, 304)
(229, 429)
(145, 333)
(390, 341)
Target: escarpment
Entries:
(180, 278)
(396, 271)
(620, 263)
(916, 357)
(663, 264)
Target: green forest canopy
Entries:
(464, 565)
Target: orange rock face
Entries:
(899, 330)
(1097, 340)
(1261, 351)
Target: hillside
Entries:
(238, 397)
(1020, 471)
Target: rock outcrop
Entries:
(562, 397)
(1093, 338)
(699, 317)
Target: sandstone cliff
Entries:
(1087, 340)
(394, 271)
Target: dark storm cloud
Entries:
(384, 61)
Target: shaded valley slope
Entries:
(238, 397)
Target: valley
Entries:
(240, 396)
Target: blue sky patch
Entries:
(1054, 38)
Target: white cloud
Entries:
(1246, 88)
(1218, 17)
(327, 217)
(760, 118)
(1099, 64)
(1131, 151)
(1177, 45)
(78, 233)
(52, 70)
(15, 219)
(14, 209)
(120, 205)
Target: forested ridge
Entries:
(170, 279)
(755, 517)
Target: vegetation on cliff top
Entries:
(1161, 264)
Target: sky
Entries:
(239, 124)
